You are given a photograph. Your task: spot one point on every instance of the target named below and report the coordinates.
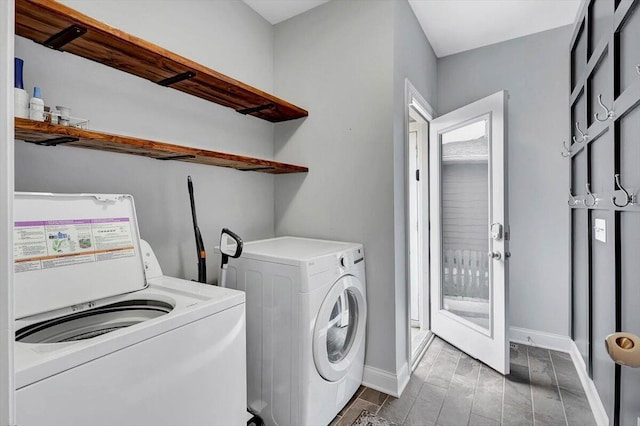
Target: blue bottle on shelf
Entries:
(20, 96)
(18, 82)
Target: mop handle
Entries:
(201, 253)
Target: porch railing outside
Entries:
(466, 274)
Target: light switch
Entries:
(601, 230)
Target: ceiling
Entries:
(276, 11)
(454, 26)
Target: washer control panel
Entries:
(349, 258)
(358, 256)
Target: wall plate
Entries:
(600, 229)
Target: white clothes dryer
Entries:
(103, 338)
(306, 318)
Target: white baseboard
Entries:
(542, 339)
(384, 381)
(589, 387)
(560, 343)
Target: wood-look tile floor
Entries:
(448, 388)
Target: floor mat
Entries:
(368, 419)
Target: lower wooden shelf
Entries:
(46, 134)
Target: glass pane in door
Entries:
(464, 165)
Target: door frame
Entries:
(413, 99)
(7, 384)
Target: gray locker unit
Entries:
(605, 161)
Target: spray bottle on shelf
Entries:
(36, 106)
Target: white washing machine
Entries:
(306, 317)
(103, 338)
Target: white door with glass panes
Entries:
(470, 230)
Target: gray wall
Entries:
(236, 41)
(343, 61)
(535, 71)
(337, 58)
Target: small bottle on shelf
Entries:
(36, 106)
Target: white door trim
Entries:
(7, 404)
(413, 99)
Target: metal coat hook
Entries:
(630, 198)
(589, 194)
(608, 112)
(572, 200)
(583, 136)
(567, 150)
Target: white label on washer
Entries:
(53, 243)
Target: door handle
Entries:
(495, 255)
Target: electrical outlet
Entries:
(515, 348)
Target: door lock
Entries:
(495, 255)
(496, 231)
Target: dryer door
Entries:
(340, 328)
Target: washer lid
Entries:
(292, 250)
(71, 249)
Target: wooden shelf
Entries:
(46, 134)
(57, 26)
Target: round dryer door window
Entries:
(340, 328)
